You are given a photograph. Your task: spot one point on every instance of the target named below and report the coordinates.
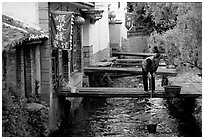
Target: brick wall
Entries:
(37, 63)
(33, 69)
(13, 66)
(28, 73)
(9, 67)
(43, 16)
(46, 71)
(20, 70)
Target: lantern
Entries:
(79, 20)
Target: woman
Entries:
(150, 65)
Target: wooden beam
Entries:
(119, 92)
(32, 42)
(127, 64)
(134, 54)
(129, 60)
(137, 71)
(136, 62)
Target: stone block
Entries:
(45, 76)
(45, 64)
(35, 106)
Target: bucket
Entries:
(172, 90)
(73, 89)
(152, 128)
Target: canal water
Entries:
(129, 117)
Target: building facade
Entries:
(21, 46)
(56, 67)
(117, 29)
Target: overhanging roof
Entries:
(16, 33)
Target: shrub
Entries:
(38, 120)
(14, 114)
(17, 120)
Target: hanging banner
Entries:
(62, 29)
(129, 20)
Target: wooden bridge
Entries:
(134, 54)
(136, 71)
(120, 92)
(133, 62)
(106, 67)
(129, 60)
(124, 92)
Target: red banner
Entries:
(61, 29)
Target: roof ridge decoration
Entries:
(92, 14)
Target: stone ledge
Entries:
(101, 64)
(35, 106)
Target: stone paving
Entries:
(191, 83)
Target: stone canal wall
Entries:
(193, 84)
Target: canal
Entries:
(129, 117)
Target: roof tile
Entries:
(15, 33)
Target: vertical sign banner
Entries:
(61, 24)
(129, 19)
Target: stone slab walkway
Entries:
(191, 83)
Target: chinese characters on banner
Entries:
(61, 29)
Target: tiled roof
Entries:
(15, 33)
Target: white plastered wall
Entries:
(120, 15)
(24, 11)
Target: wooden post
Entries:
(60, 69)
(67, 111)
(69, 65)
(152, 85)
(38, 75)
